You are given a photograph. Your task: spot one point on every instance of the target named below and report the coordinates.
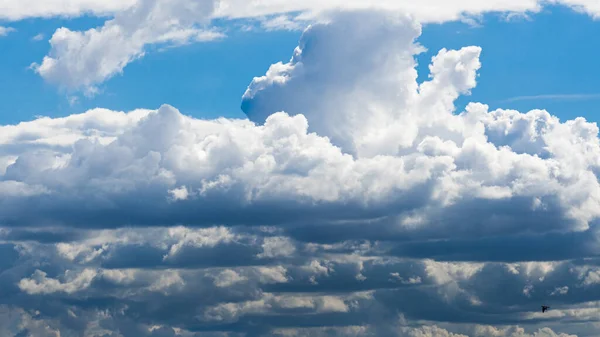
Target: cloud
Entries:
(39, 283)
(427, 331)
(586, 6)
(281, 22)
(353, 201)
(17, 10)
(4, 31)
(82, 60)
(553, 97)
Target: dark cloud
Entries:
(514, 248)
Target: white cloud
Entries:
(560, 291)
(273, 274)
(281, 22)
(428, 10)
(6, 30)
(179, 193)
(5, 162)
(338, 72)
(277, 246)
(430, 331)
(198, 238)
(587, 6)
(75, 251)
(516, 331)
(82, 60)
(167, 281)
(97, 124)
(18, 10)
(412, 280)
(229, 312)
(424, 331)
(554, 97)
(228, 277)
(39, 283)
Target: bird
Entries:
(544, 308)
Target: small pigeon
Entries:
(544, 308)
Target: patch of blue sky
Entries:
(204, 79)
(547, 61)
(23, 93)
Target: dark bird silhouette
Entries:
(544, 308)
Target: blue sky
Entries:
(335, 199)
(549, 53)
(205, 79)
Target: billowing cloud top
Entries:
(354, 201)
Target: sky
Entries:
(318, 168)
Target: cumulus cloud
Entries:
(353, 201)
(81, 60)
(39, 283)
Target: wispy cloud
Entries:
(553, 97)
(6, 30)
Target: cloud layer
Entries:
(428, 10)
(355, 201)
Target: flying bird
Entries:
(544, 308)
